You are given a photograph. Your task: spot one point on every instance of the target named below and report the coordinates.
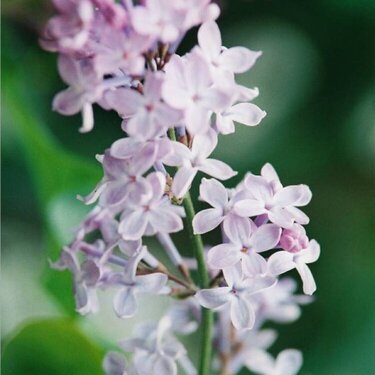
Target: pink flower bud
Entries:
(294, 239)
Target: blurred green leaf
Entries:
(54, 171)
(51, 347)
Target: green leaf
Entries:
(54, 171)
(51, 347)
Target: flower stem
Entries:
(204, 281)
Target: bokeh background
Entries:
(317, 83)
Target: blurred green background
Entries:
(317, 83)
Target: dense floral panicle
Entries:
(122, 56)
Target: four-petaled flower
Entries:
(283, 261)
(125, 302)
(246, 241)
(196, 159)
(236, 295)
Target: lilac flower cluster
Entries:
(122, 57)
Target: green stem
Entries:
(172, 134)
(204, 282)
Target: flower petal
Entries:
(259, 188)
(238, 59)
(204, 144)
(114, 193)
(125, 303)
(164, 365)
(217, 169)
(309, 285)
(134, 225)
(248, 207)
(152, 283)
(125, 101)
(124, 148)
(213, 298)
(242, 314)
(213, 192)
(247, 113)
(207, 220)
(280, 262)
(182, 180)
(114, 364)
(295, 195)
(258, 284)
(289, 362)
(68, 102)
(164, 220)
(266, 237)
(224, 255)
(209, 39)
(254, 264)
(238, 229)
(309, 255)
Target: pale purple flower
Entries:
(69, 30)
(236, 295)
(148, 117)
(84, 90)
(184, 316)
(98, 218)
(279, 304)
(159, 19)
(246, 240)
(123, 178)
(119, 50)
(288, 362)
(189, 87)
(283, 261)
(223, 60)
(113, 13)
(148, 151)
(247, 114)
(196, 12)
(125, 301)
(154, 214)
(269, 173)
(230, 211)
(196, 159)
(251, 343)
(279, 203)
(156, 351)
(115, 363)
(132, 248)
(86, 277)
